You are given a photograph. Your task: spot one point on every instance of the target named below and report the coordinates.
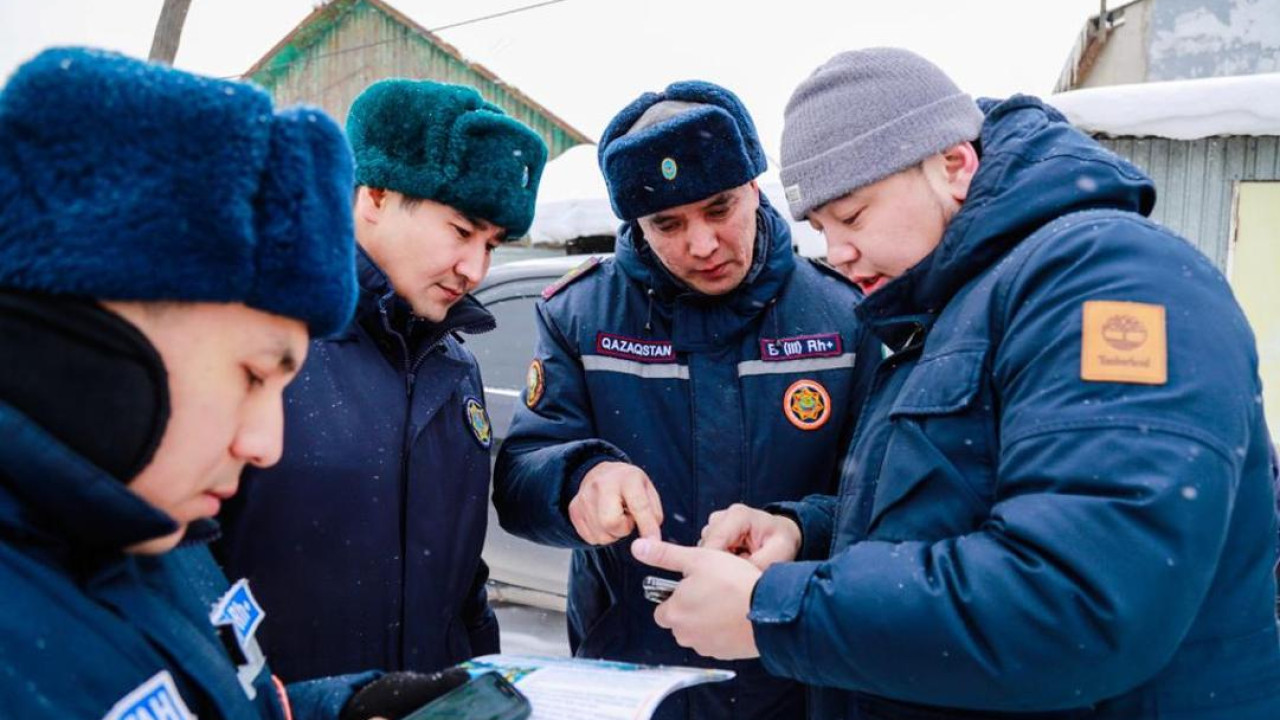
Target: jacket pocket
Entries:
(937, 475)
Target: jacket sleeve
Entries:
(1111, 506)
(815, 515)
(550, 447)
(481, 621)
(323, 698)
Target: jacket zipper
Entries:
(411, 366)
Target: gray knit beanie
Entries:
(863, 116)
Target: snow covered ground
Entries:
(532, 631)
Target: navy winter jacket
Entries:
(364, 541)
(746, 397)
(87, 631)
(1058, 503)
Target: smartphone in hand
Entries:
(484, 697)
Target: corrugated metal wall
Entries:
(1195, 181)
(344, 53)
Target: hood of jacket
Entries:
(1034, 168)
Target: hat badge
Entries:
(669, 168)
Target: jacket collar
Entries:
(1035, 167)
(378, 298)
(49, 491)
(700, 321)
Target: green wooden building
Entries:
(345, 45)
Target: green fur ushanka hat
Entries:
(443, 142)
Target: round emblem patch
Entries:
(807, 404)
(478, 420)
(669, 168)
(535, 384)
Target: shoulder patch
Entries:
(568, 278)
(239, 609)
(1124, 342)
(827, 268)
(156, 698)
(477, 419)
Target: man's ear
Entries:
(371, 204)
(959, 165)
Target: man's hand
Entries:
(708, 610)
(614, 499)
(758, 536)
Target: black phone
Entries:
(484, 697)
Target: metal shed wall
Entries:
(1195, 181)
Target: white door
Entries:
(1254, 271)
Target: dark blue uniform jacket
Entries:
(364, 541)
(693, 390)
(87, 631)
(1011, 537)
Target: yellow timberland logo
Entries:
(1124, 342)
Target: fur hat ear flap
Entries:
(443, 142)
(131, 181)
(497, 168)
(685, 144)
(295, 265)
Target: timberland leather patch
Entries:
(1124, 342)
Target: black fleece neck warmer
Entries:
(85, 375)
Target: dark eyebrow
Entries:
(288, 363)
(719, 201)
(482, 225)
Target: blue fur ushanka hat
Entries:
(443, 142)
(707, 146)
(123, 180)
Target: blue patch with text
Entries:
(645, 351)
(155, 699)
(239, 609)
(800, 347)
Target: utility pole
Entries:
(164, 44)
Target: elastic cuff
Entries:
(779, 593)
(776, 605)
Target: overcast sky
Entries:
(585, 59)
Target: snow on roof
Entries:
(573, 202)
(1180, 109)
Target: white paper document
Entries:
(573, 689)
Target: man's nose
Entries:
(473, 264)
(702, 241)
(260, 441)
